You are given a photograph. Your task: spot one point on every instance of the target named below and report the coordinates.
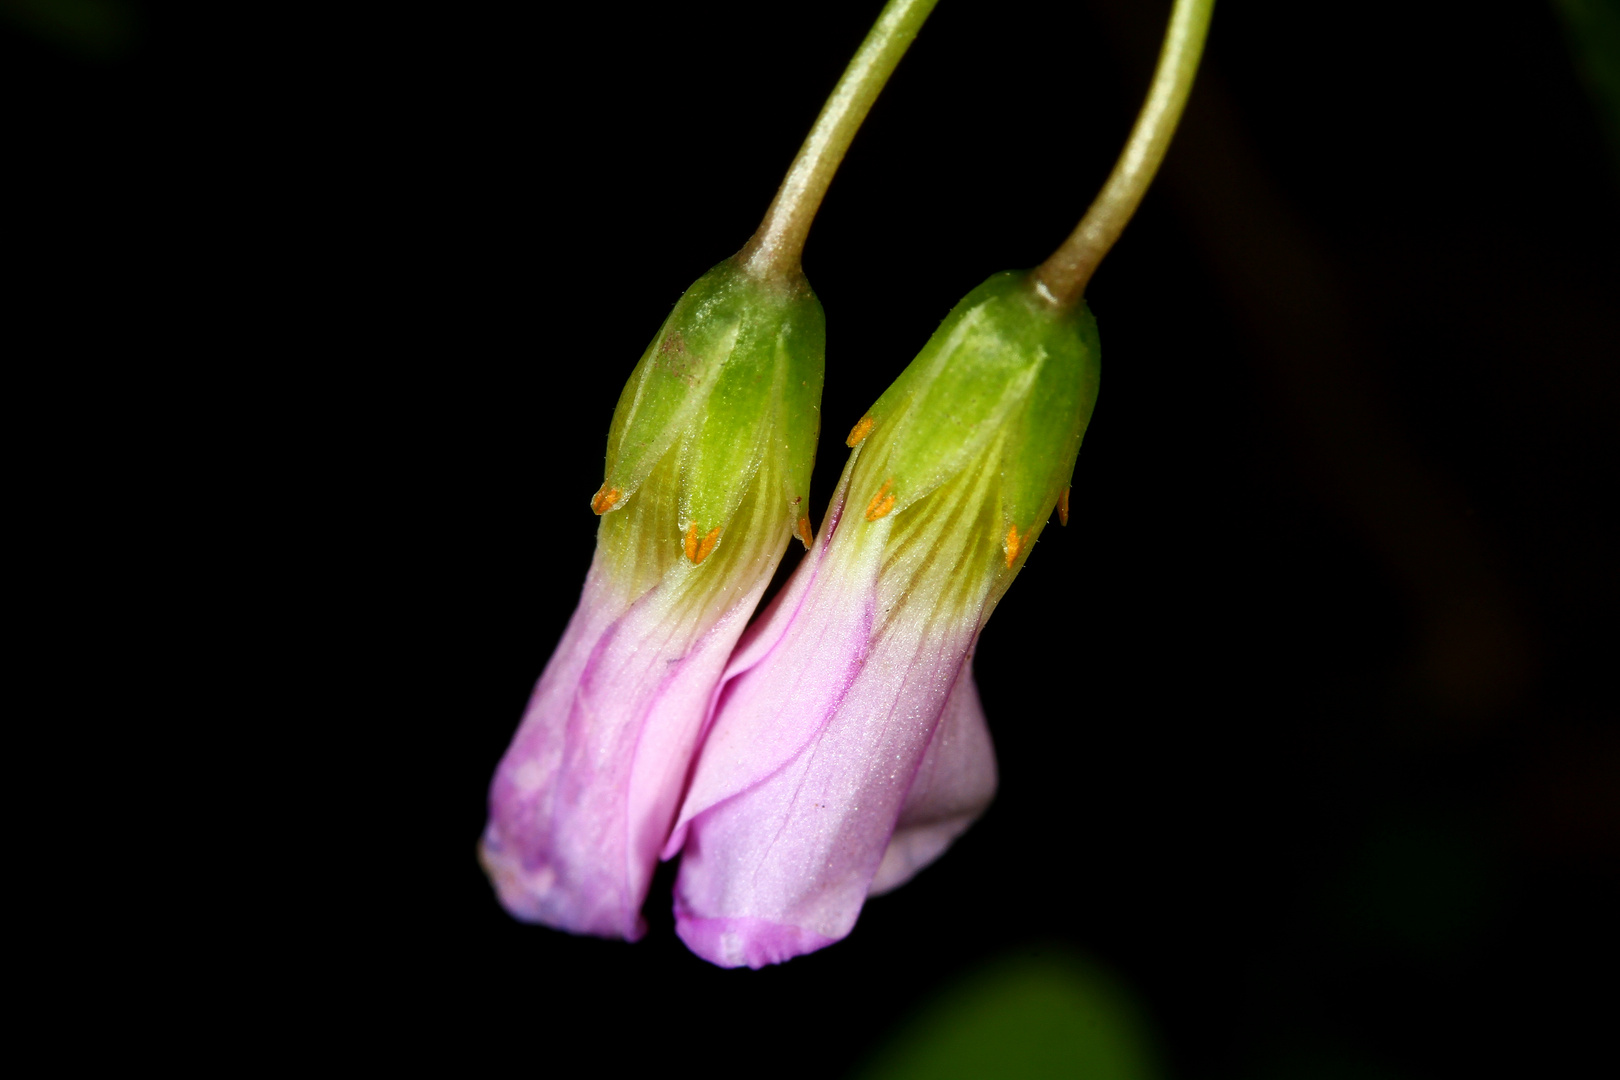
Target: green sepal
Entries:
(733, 375)
(1004, 388)
(672, 382)
(1045, 435)
(802, 344)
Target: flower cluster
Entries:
(834, 747)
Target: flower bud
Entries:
(849, 748)
(1003, 391)
(733, 377)
(708, 466)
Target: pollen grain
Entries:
(859, 432)
(881, 503)
(604, 499)
(1063, 507)
(806, 537)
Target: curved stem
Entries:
(774, 249)
(1061, 280)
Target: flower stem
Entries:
(774, 250)
(1061, 280)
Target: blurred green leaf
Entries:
(1028, 1017)
(101, 29)
(1593, 29)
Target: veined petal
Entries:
(825, 632)
(583, 799)
(818, 743)
(791, 858)
(953, 786)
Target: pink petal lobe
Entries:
(798, 844)
(954, 785)
(584, 797)
(745, 942)
(825, 633)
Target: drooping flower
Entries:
(708, 467)
(848, 748)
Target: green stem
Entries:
(773, 251)
(1061, 280)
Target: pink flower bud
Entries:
(708, 464)
(874, 758)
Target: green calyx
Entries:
(1003, 390)
(731, 383)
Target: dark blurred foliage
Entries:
(96, 29)
(1307, 722)
(1593, 28)
(1039, 1014)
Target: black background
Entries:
(1306, 722)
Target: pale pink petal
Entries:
(954, 785)
(583, 800)
(824, 632)
(786, 860)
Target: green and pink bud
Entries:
(708, 471)
(848, 748)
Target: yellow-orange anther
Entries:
(1063, 507)
(1013, 544)
(604, 498)
(698, 550)
(806, 537)
(859, 432)
(881, 503)
(708, 543)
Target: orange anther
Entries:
(604, 498)
(806, 537)
(1012, 544)
(698, 550)
(707, 546)
(1063, 507)
(859, 432)
(881, 503)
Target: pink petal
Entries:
(806, 650)
(954, 785)
(812, 757)
(583, 799)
